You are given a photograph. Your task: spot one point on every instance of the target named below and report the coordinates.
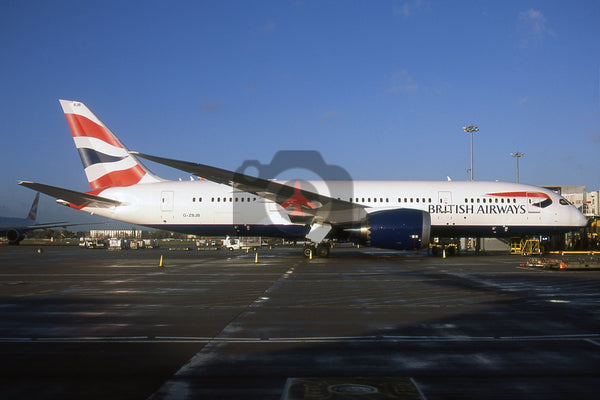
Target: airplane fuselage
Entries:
(397, 215)
(485, 209)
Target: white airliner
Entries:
(386, 214)
(14, 229)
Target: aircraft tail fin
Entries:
(106, 160)
(34, 207)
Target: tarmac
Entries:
(363, 323)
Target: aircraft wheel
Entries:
(323, 250)
(308, 250)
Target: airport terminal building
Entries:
(587, 202)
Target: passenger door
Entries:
(445, 198)
(166, 201)
(166, 206)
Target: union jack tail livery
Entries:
(106, 160)
(34, 207)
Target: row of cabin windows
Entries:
(362, 200)
(496, 200)
(368, 200)
(428, 200)
(387, 200)
(226, 199)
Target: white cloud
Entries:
(407, 9)
(330, 115)
(522, 102)
(269, 26)
(534, 27)
(208, 107)
(402, 82)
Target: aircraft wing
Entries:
(76, 199)
(324, 208)
(63, 224)
(47, 226)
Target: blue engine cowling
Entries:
(399, 229)
(14, 236)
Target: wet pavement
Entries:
(99, 324)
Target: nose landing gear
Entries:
(321, 250)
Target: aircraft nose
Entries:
(579, 219)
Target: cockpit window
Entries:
(542, 204)
(564, 202)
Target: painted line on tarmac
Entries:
(308, 339)
(593, 342)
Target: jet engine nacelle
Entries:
(399, 229)
(14, 236)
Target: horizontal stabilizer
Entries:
(76, 199)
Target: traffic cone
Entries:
(256, 258)
(160, 263)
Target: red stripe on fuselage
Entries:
(83, 127)
(520, 194)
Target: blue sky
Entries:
(379, 88)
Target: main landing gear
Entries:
(321, 250)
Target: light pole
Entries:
(471, 129)
(517, 155)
